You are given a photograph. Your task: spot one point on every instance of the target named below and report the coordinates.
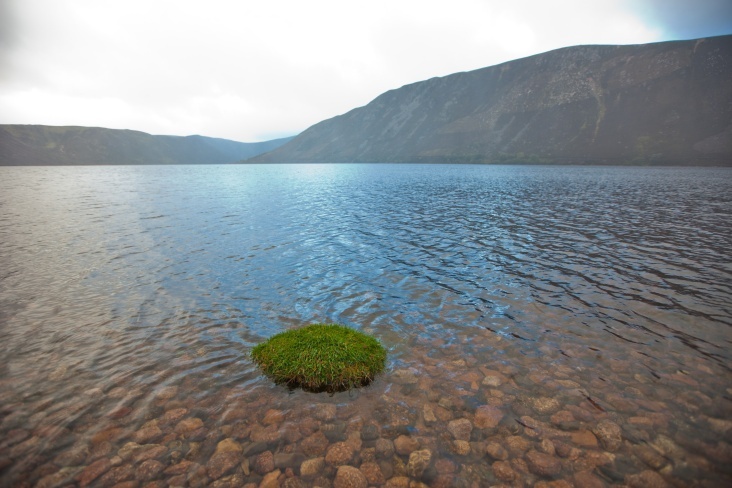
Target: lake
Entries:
(566, 324)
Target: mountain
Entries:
(27, 145)
(660, 103)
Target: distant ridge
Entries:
(660, 103)
(34, 145)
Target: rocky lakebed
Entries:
(450, 416)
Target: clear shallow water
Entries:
(564, 297)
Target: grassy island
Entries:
(321, 357)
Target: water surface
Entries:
(567, 298)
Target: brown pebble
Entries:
(419, 461)
(584, 438)
(350, 477)
(119, 412)
(373, 473)
(180, 468)
(610, 435)
(496, 451)
(384, 448)
(173, 416)
(271, 480)
(273, 416)
(109, 434)
(546, 405)
(397, 482)
(221, 463)
(311, 468)
(460, 447)
(189, 425)
(543, 464)
(264, 463)
(646, 479)
(503, 471)
(487, 417)
(517, 445)
(585, 479)
(315, 444)
(404, 445)
(93, 471)
(148, 432)
(339, 454)
(460, 429)
(149, 470)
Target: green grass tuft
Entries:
(321, 357)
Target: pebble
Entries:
(74, 456)
(584, 438)
(271, 480)
(149, 451)
(418, 462)
(546, 405)
(315, 444)
(397, 482)
(339, 454)
(260, 433)
(62, 477)
(428, 414)
(404, 377)
(488, 417)
(93, 471)
(284, 460)
(646, 479)
(180, 468)
(543, 464)
(547, 447)
(350, 477)
(650, 456)
(503, 471)
(384, 448)
(325, 412)
(107, 435)
(166, 393)
(189, 425)
(173, 416)
(273, 416)
(227, 456)
(404, 445)
(609, 434)
(517, 444)
(311, 468)
(492, 381)
(496, 451)
(372, 472)
(264, 463)
(461, 447)
(460, 429)
(370, 432)
(149, 470)
(228, 445)
(585, 479)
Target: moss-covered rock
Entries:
(321, 357)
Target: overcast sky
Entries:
(253, 71)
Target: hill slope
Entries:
(661, 103)
(47, 145)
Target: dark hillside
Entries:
(48, 145)
(661, 103)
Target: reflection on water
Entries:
(543, 323)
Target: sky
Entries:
(253, 71)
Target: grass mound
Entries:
(321, 357)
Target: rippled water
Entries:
(566, 298)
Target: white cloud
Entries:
(250, 71)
